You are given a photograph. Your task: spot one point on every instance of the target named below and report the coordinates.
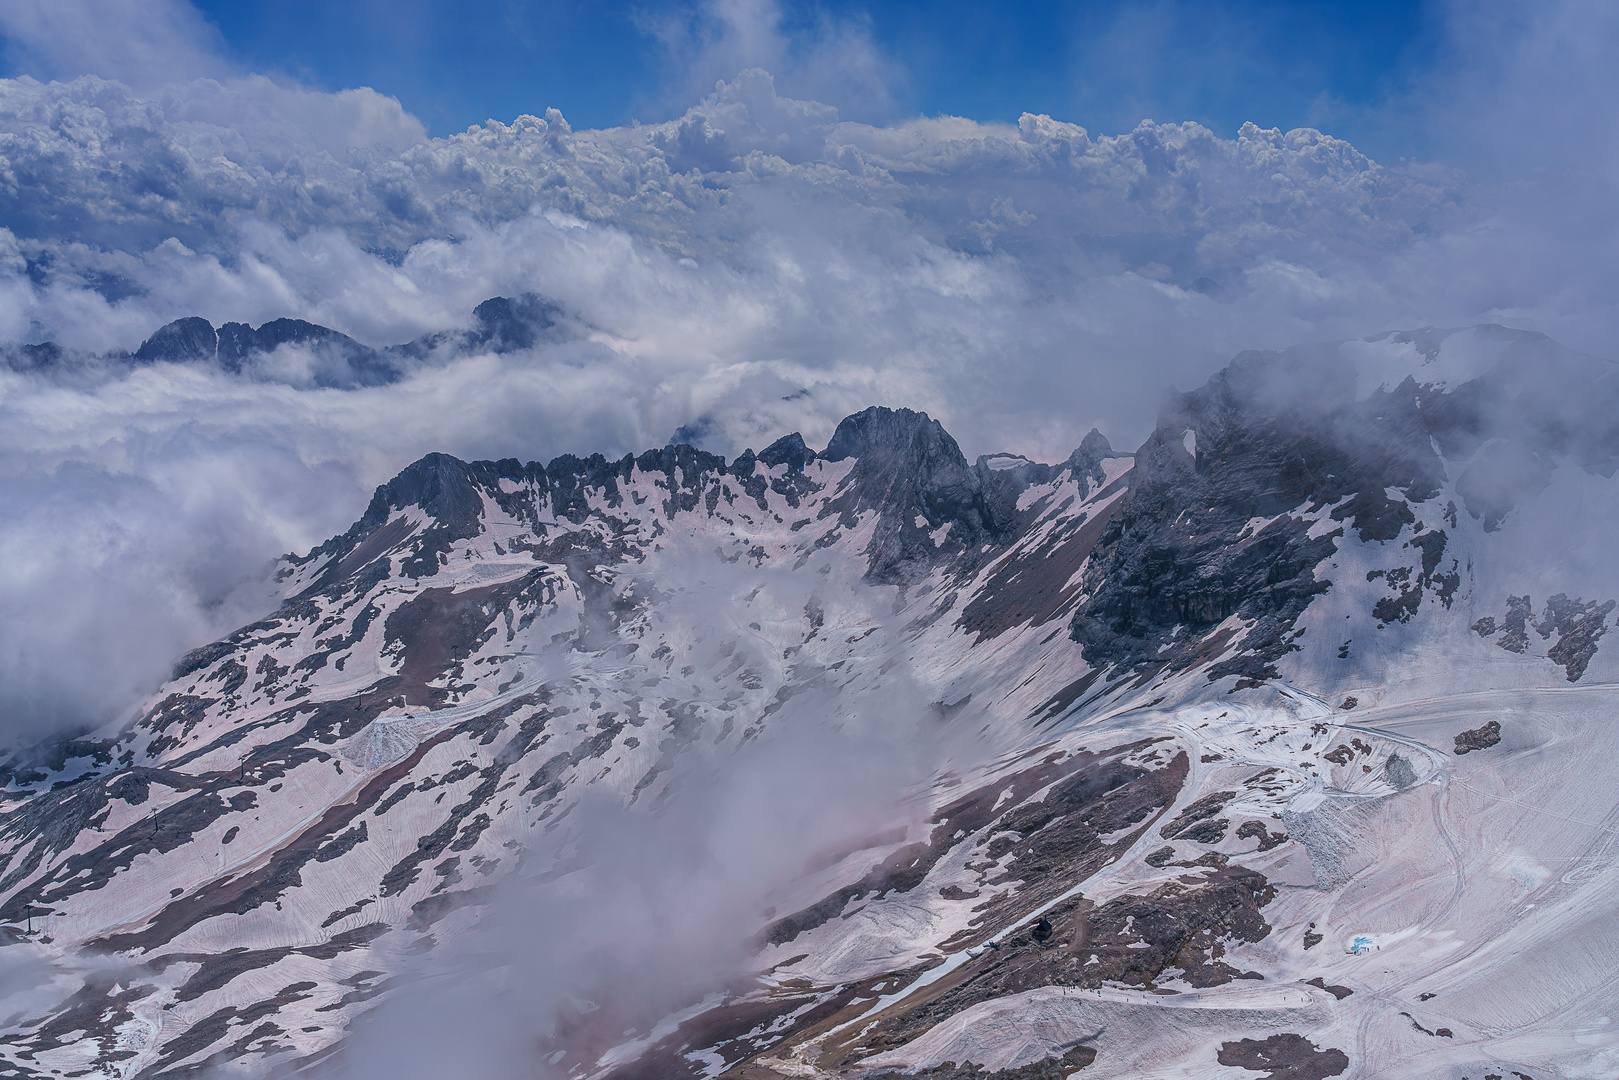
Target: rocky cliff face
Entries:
(1202, 792)
(1225, 525)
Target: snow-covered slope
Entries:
(1276, 747)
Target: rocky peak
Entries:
(342, 362)
(1294, 416)
(793, 485)
(1085, 463)
(572, 478)
(500, 324)
(451, 493)
(789, 450)
(183, 341)
(43, 356)
(886, 439)
(687, 471)
(505, 324)
(439, 484)
(904, 461)
(909, 470)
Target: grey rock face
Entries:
(452, 494)
(687, 471)
(501, 324)
(789, 450)
(794, 485)
(1272, 433)
(339, 361)
(439, 484)
(183, 341)
(1087, 460)
(908, 467)
(504, 324)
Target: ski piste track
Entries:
(1468, 703)
(1381, 722)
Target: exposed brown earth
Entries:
(1283, 1057)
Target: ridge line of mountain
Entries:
(1275, 437)
(500, 325)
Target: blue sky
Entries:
(1104, 64)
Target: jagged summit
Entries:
(446, 488)
(789, 450)
(891, 438)
(904, 467)
(501, 324)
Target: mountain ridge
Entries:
(1160, 684)
(498, 325)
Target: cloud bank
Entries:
(619, 916)
(757, 264)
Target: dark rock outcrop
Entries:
(337, 360)
(501, 324)
(1283, 1057)
(504, 324)
(1271, 437)
(789, 450)
(911, 472)
(450, 492)
(41, 357)
(1579, 626)
(1479, 738)
(1086, 460)
(340, 362)
(184, 341)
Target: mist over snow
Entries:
(755, 265)
(620, 916)
(623, 747)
